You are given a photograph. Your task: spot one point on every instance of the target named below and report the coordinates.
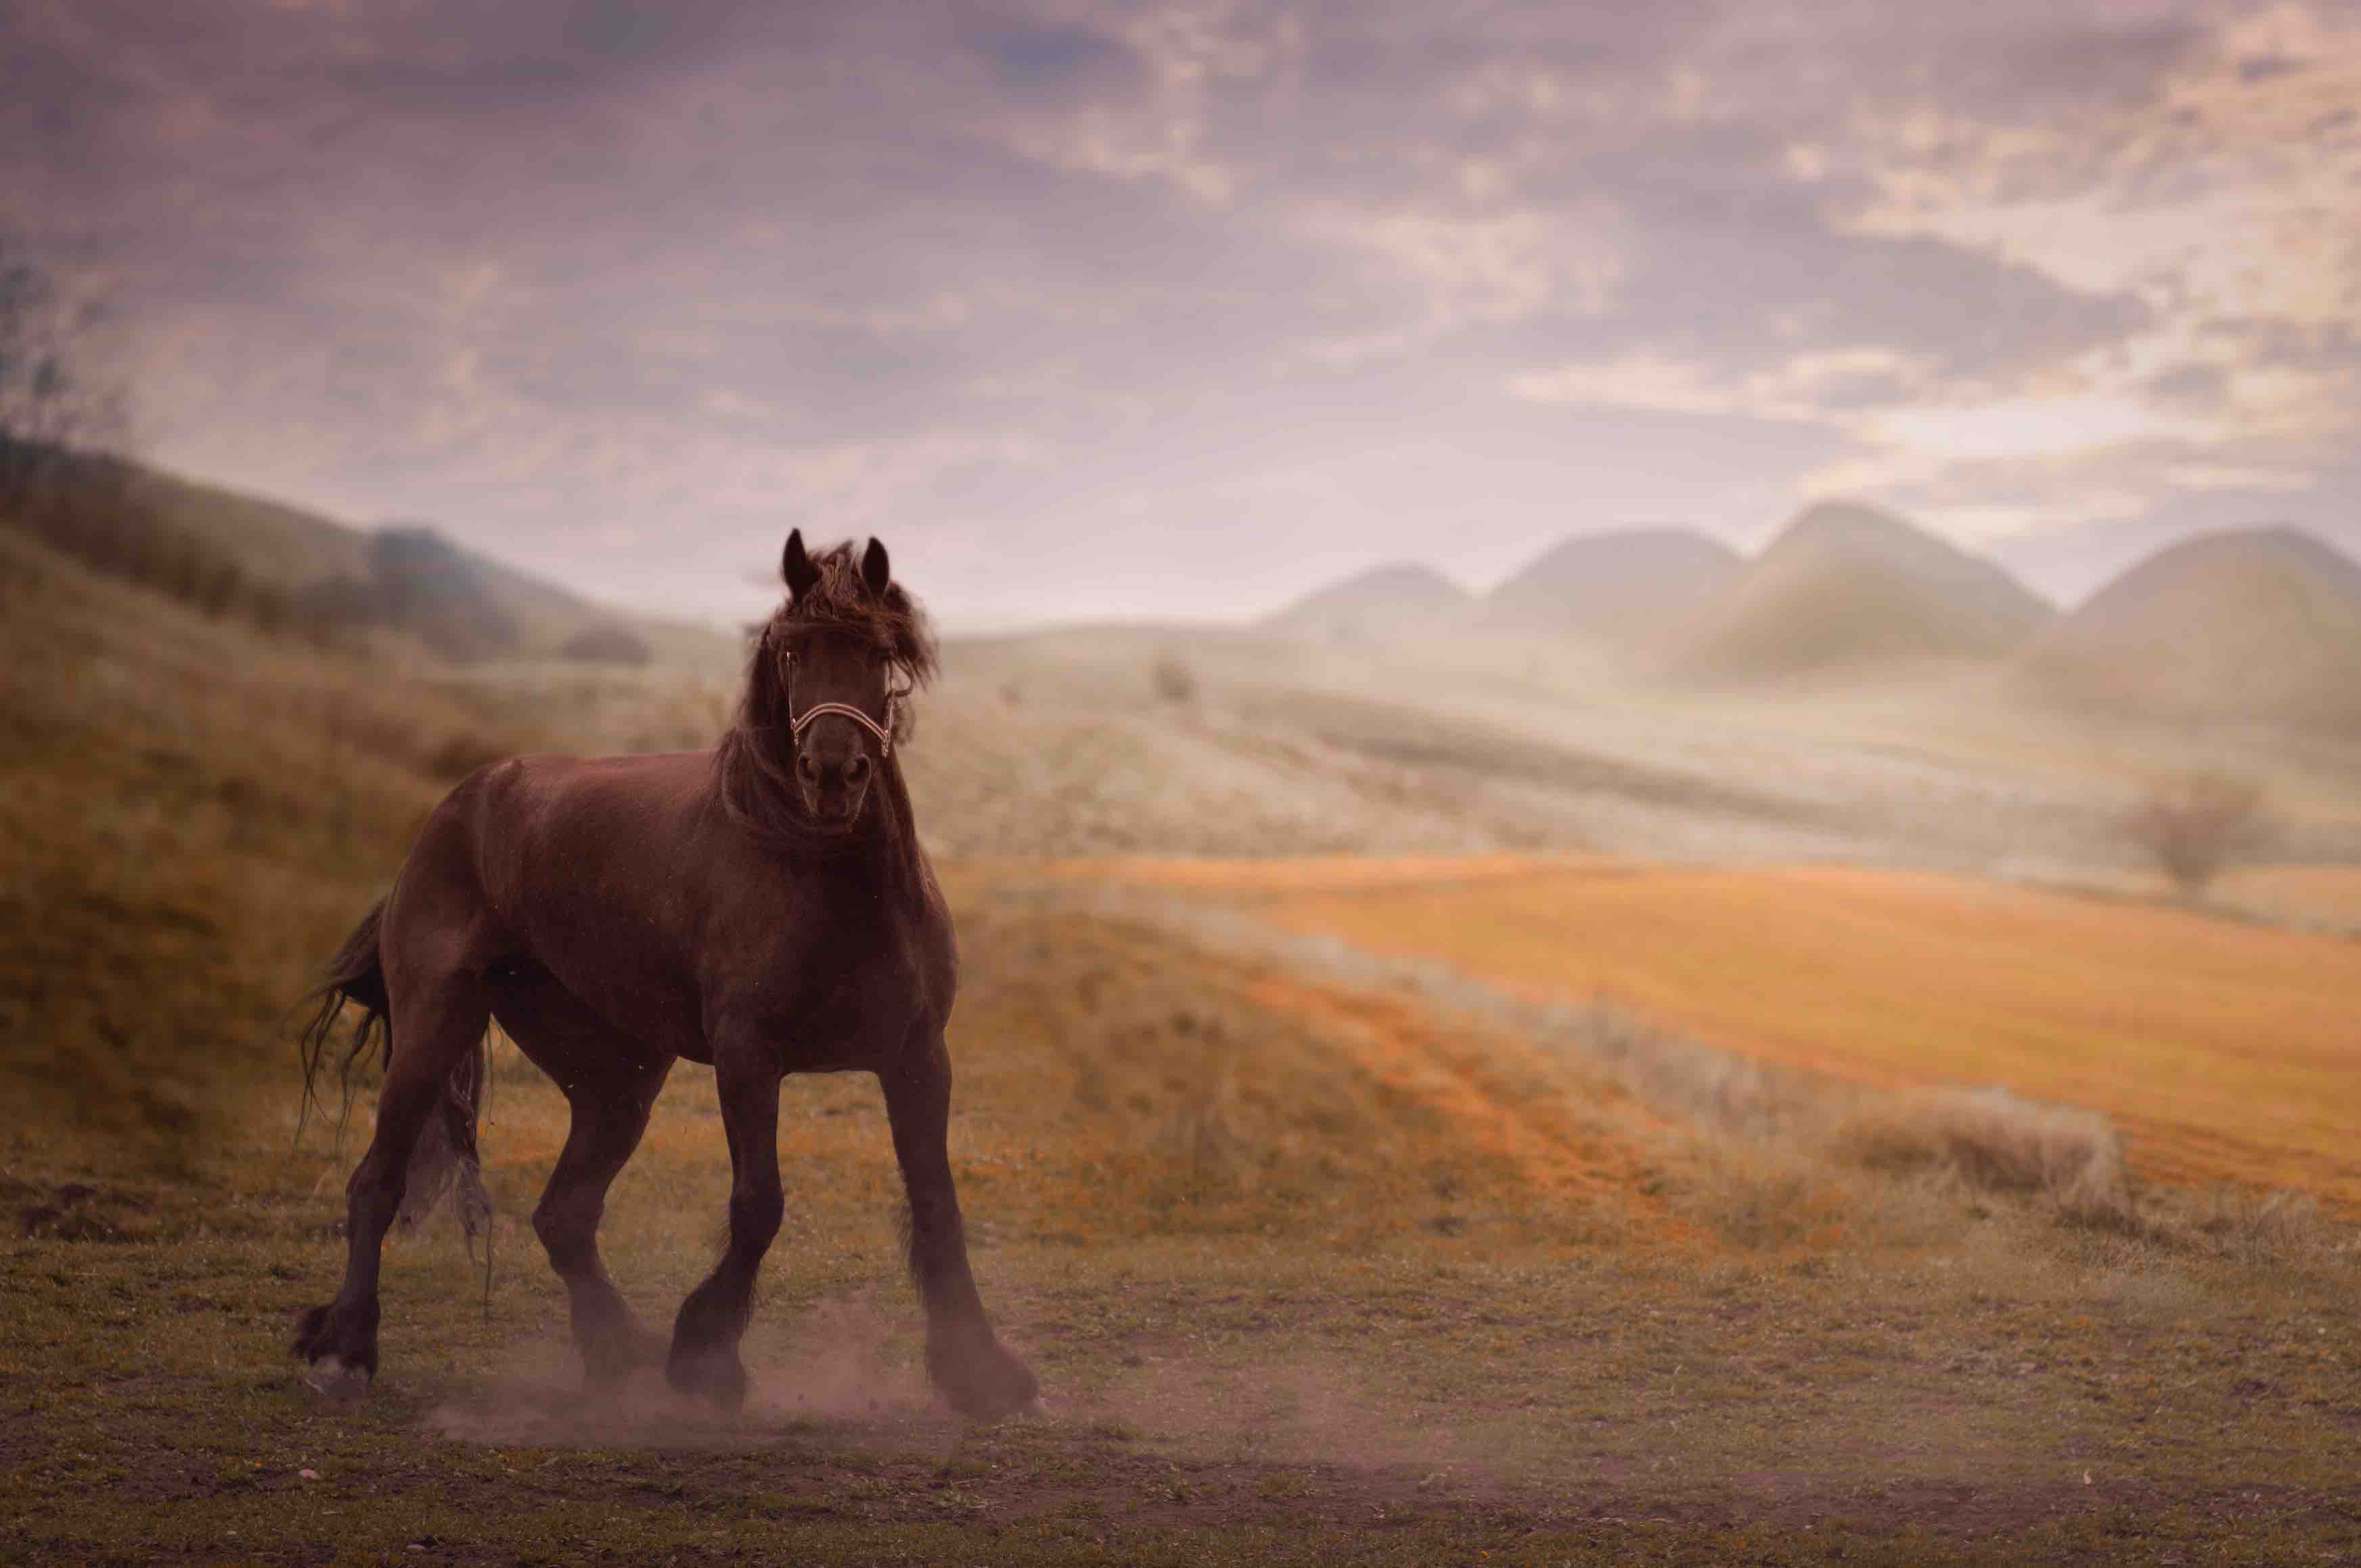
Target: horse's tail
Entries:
(356, 974)
(444, 1158)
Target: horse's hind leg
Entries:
(611, 1081)
(438, 1016)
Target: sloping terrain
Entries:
(1058, 744)
(2261, 627)
(192, 812)
(1063, 743)
(1621, 588)
(277, 543)
(1848, 586)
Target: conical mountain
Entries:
(1621, 588)
(1848, 587)
(1377, 605)
(2259, 625)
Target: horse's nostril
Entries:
(808, 768)
(857, 770)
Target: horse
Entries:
(763, 908)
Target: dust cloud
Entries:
(837, 1372)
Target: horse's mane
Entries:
(840, 601)
(754, 764)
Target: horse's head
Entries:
(843, 650)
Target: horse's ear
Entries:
(796, 566)
(877, 571)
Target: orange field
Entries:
(2224, 1051)
(1305, 873)
(2329, 895)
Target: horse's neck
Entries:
(882, 851)
(897, 828)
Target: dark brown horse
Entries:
(763, 908)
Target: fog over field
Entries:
(1640, 729)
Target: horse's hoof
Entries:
(336, 1380)
(986, 1384)
(720, 1381)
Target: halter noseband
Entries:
(885, 732)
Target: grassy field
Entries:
(1314, 1266)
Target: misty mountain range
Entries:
(2256, 625)
(2247, 626)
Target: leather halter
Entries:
(885, 732)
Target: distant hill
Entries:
(274, 543)
(422, 582)
(408, 578)
(462, 607)
(2262, 626)
(1848, 586)
(1621, 588)
(1375, 605)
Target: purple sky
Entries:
(1180, 309)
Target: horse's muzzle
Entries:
(834, 789)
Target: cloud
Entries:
(1818, 387)
(1054, 289)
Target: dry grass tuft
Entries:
(2266, 1227)
(1720, 1089)
(1994, 1141)
(1765, 1199)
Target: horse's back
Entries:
(559, 802)
(624, 880)
(530, 825)
(576, 867)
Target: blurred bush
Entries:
(1172, 679)
(2196, 825)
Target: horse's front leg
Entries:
(704, 1356)
(979, 1376)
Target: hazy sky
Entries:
(1181, 309)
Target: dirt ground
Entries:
(1467, 1305)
